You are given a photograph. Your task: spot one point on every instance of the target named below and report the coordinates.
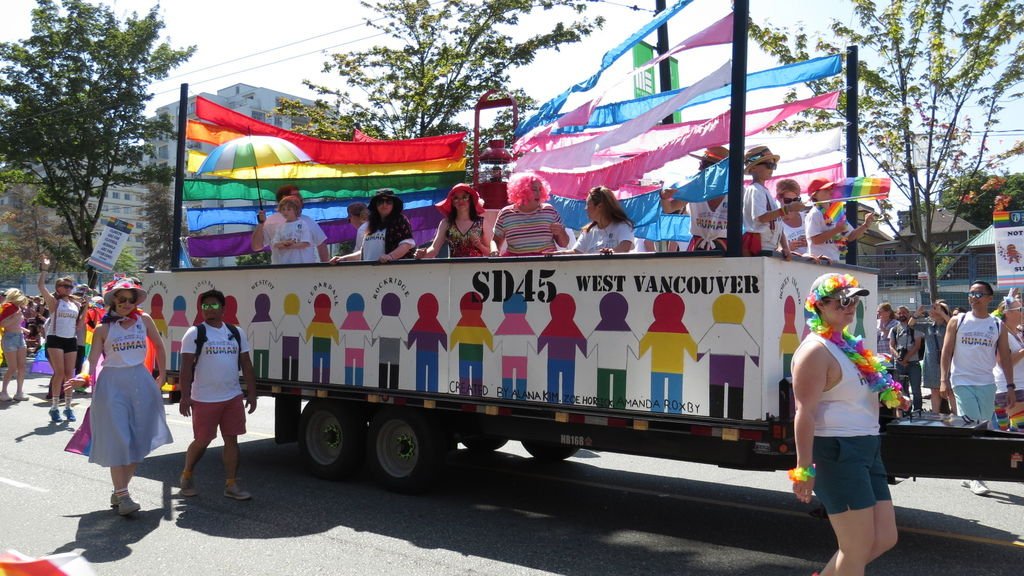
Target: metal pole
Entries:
(737, 117)
(179, 177)
(852, 142)
(664, 68)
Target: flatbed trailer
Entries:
(672, 356)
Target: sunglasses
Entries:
(769, 165)
(454, 198)
(843, 301)
(977, 294)
(789, 200)
(124, 300)
(65, 285)
(214, 306)
(386, 201)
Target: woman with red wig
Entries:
(528, 226)
(462, 227)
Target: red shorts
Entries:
(207, 416)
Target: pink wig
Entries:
(520, 188)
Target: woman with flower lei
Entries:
(839, 384)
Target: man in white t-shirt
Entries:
(211, 355)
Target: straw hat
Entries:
(758, 155)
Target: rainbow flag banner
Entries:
(1008, 233)
(862, 188)
(835, 212)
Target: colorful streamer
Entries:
(449, 146)
(862, 188)
(196, 190)
(619, 112)
(295, 171)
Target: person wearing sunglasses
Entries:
(761, 212)
(975, 342)
(127, 411)
(823, 235)
(211, 355)
(388, 232)
(839, 384)
(462, 228)
(787, 192)
(61, 340)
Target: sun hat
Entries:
(712, 155)
(119, 284)
(445, 206)
(396, 200)
(758, 155)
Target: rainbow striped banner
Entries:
(1008, 236)
(862, 188)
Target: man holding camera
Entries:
(905, 344)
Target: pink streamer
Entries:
(685, 138)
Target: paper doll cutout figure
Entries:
(468, 339)
(729, 344)
(611, 341)
(858, 329)
(669, 341)
(388, 334)
(176, 329)
(289, 331)
(788, 341)
(319, 333)
(562, 338)
(429, 336)
(231, 310)
(156, 312)
(355, 336)
(260, 328)
(516, 336)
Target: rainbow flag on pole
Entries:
(862, 188)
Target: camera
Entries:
(901, 353)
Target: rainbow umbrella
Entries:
(252, 152)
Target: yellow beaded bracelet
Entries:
(802, 474)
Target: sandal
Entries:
(20, 398)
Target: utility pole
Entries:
(664, 67)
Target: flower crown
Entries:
(833, 284)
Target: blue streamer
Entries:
(619, 112)
(549, 110)
(705, 185)
(642, 209)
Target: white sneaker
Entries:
(978, 487)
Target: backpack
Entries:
(201, 340)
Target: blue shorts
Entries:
(849, 472)
(13, 340)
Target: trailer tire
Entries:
(483, 444)
(332, 439)
(549, 452)
(407, 450)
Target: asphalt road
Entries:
(596, 514)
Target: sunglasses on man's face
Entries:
(843, 301)
(214, 306)
(977, 294)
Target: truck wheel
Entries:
(483, 444)
(549, 452)
(408, 450)
(332, 439)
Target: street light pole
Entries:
(664, 67)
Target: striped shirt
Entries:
(527, 233)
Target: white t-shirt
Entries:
(814, 224)
(373, 245)
(795, 237)
(593, 240)
(359, 236)
(757, 201)
(275, 220)
(1016, 345)
(216, 377)
(296, 231)
(974, 354)
(707, 223)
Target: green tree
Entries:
(974, 196)
(444, 56)
(72, 106)
(126, 263)
(254, 259)
(157, 237)
(36, 231)
(933, 74)
(12, 264)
